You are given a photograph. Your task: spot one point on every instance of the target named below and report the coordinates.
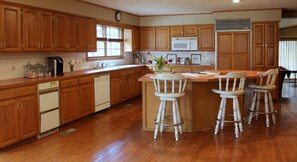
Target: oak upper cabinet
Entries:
(206, 38)
(18, 114)
(65, 33)
(136, 39)
(148, 38)
(163, 38)
(265, 45)
(184, 31)
(177, 31)
(233, 51)
(87, 37)
(10, 28)
(37, 30)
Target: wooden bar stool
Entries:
(169, 87)
(230, 91)
(270, 77)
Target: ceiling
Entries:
(169, 7)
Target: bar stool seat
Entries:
(270, 77)
(169, 87)
(230, 92)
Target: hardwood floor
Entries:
(115, 135)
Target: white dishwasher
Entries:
(102, 91)
(49, 107)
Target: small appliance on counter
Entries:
(56, 65)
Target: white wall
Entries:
(256, 15)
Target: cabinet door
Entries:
(177, 31)
(30, 30)
(206, 38)
(60, 32)
(69, 104)
(92, 36)
(11, 28)
(125, 90)
(86, 99)
(271, 51)
(190, 31)
(148, 38)
(132, 85)
(82, 36)
(28, 115)
(258, 45)
(9, 123)
(72, 33)
(115, 91)
(241, 51)
(46, 31)
(163, 38)
(136, 39)
(224, 51)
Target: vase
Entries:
(71, 68)
(159, 69)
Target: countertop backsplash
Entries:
(12, 64)
(207, 58)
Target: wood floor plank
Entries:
(116, 134)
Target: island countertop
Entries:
(199, 107)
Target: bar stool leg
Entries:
(158, 119)
(235, 118)
(238, 114)
(253, 108)
(219, 116)
(271, 108)
(223, 113)
(266, 109)
(178, 117)
(258, 105)
(175, 121)
(162, 116)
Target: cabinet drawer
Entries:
(115, 74)
(127, 72)
(68, 83)
(19, 91)
(83, 80)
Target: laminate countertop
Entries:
(9, 83)
(208, 76)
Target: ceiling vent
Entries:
(233, 24)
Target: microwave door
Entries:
(180, 45)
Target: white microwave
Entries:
(184, 43)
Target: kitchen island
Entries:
(199, 107)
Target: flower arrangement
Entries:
(71, 64)
(160, 61)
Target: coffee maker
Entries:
(56, 65)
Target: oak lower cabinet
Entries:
(233, 51)
(124, 84)
(18, 114)
(76, 98)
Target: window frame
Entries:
(106, 40)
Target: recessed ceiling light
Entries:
(235, 1)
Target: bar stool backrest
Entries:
(238, 79)
(169, 85)
(270, 77)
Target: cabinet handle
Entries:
(38, 45)
(21, 105)
(4, 44)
